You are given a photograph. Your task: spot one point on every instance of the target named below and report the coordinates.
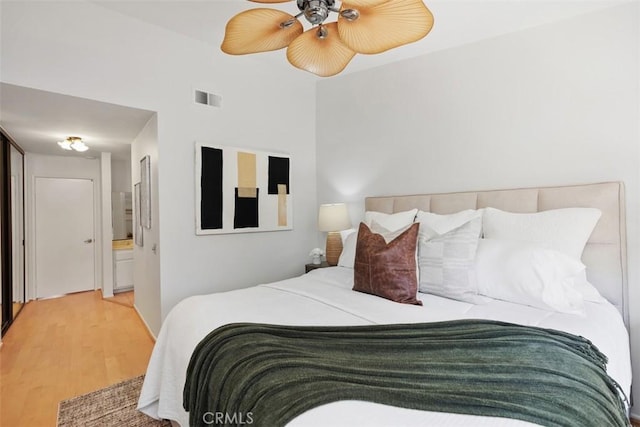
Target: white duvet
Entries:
(324, 297)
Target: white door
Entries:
(64, 238)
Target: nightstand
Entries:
(309, 267)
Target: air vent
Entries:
(206, 98)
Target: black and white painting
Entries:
(242, 190)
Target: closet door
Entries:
(5, 237)
(12, 254)
(16, 196)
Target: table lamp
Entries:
(333, 218)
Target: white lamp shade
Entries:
(333, 217)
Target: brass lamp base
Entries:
(333, 247)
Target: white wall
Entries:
(106, 226)
(121, 175)
(146, 265)
(552, 105)
(123, 61)
(38, 165)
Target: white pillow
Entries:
(386, 234)
(587, 290)
(446, 263)
(348, 254)
(345, 233)
(391, 222)
(432, 224)
(525, 273)
(565, 230)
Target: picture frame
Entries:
(145, 191)
(138, 229)
(242, 190)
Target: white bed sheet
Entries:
(324, 297)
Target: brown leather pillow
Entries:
(384, 269)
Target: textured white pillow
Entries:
(565, 230)
(446, 263)
(391, 222)
(528, 274)
(432, 224)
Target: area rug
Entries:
(111, 406)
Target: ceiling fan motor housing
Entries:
(315, 11)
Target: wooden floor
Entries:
(64, 347)
(124, 298)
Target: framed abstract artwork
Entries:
(145, 192)
(242, 190)
(138, 230)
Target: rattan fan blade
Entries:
(321, 56)
(367, 3)
(385, 26)
(259, 30)
(270, 1)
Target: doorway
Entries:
(64, 230)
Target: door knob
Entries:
(88, 241)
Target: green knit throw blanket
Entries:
(266, 375)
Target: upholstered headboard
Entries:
(605, 254)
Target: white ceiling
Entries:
(36, 119)
(456, 22)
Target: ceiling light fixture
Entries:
(73, 143)
(362, 26)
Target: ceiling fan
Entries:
(362, 26)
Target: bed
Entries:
(324, 297)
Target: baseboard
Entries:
(635, 420)
(144, 322)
